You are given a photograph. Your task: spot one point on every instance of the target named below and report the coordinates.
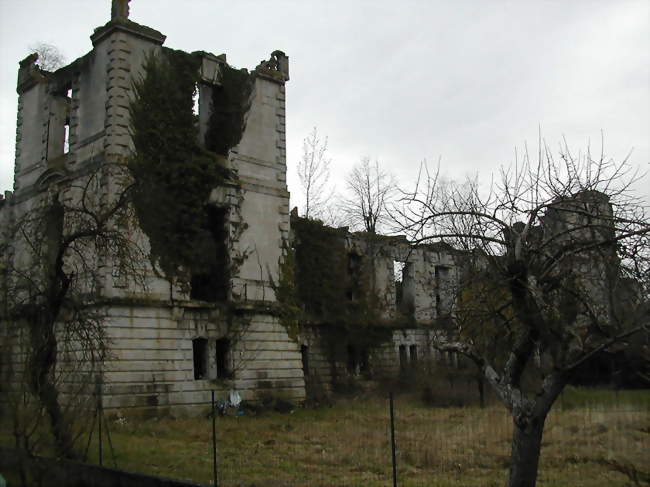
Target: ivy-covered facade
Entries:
(232, 291)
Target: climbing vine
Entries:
(290, 307)
(230, 103)
(334, 288)
(173, 172)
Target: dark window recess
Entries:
(222, 351)
(403, 358)
(413, 352)
(211, 274)
(441, 275)
(200, 354)
(358, 360)
(364, 362)
(304, 353)
(354, 276)
(405, 290)
(352, 359)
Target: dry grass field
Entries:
(592, 441)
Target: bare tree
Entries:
(370, 190)
(555, 271)
(50, 57)
(314, 174)
(55, 264)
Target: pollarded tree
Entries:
(57, 256)
(557, 255)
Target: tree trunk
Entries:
(526, 446)
(43, 361)
(49, 398)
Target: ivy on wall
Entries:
(332, 288)
(230, 104)
(174, 173)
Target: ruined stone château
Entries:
(170, 344)
(253, 298)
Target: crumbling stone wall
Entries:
(352, 325)
(154, 328)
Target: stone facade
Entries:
(382, 301)
(171, 346)
(357, 307)
(166, 348)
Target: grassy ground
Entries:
(589, 442)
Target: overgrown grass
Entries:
(349, 445)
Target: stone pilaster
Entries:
(118, 85)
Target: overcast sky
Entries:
(463, 81)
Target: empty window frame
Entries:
(406, 299)
(353, 362)
(304, 354)
(58, 123)
(210, 279)
(200, 356)
(398, 275)
(403, 357)
(442, 284)
(413, 353)
(354, 276)
(222, 359)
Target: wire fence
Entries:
(358, 442)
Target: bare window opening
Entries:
(413, 353)
(66, 139)
(398, 272)
(58, 123)
(304, 353)
(403, 358)
(354, 275)
(441, 277)
(364, 361)
(404, 288)
(66, 127)
(222, 357)
(352, 359)
(195, 100)
(210, 279)
(200, 355)
(358, 360)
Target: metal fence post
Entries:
(100, 415)
(214, 443)
(392, 438)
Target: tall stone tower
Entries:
(171, 345)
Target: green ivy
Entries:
(322, 284)
(174, 175)
(230, 103)
(290, 308)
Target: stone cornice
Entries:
(129, 27)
